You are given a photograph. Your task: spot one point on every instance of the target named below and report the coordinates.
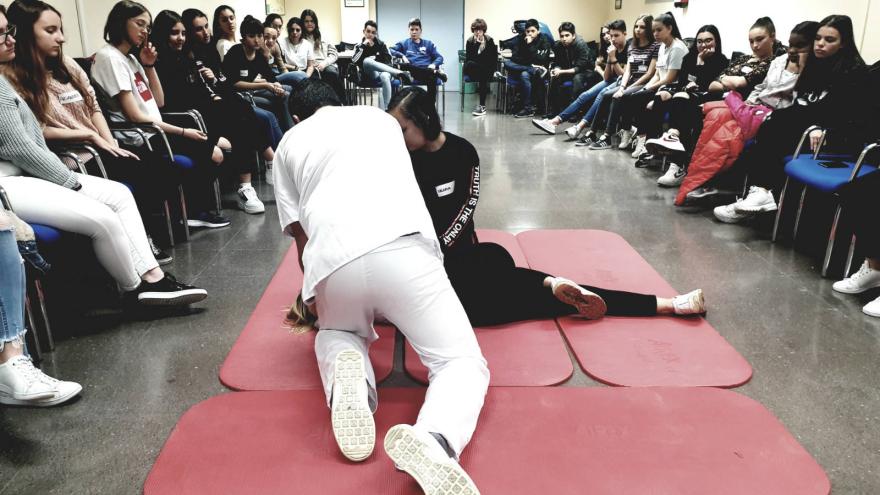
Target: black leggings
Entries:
(493, 290)
(861, 200)
(480, 74)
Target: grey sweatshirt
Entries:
(22, 142)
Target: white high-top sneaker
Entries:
(860, 281)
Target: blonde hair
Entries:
(299, 318)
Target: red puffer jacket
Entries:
(719, 145)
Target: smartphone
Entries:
(834, 164)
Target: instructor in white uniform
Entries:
(368, 250)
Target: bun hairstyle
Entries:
(416, 105)
(251, 26)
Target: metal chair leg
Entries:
(41, 319)
(32, 340)
(829, 249)
(800, 211)
(217, 197)
(166, 212)
(849, 256)
(183, 215)
(779, 211)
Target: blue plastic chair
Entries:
(808, 170)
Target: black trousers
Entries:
(197, 181)
(480, 74)
(236, 121)
(493, 290)
(330, 75)
(861, 201)
(423, 75)
(777, 137)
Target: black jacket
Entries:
(378, 50)
(577, 56)
(487, 58)
(535, 53)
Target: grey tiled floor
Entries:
(814, 353)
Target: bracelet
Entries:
(148, 66)
(183, 131)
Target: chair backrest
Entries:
(107, 103)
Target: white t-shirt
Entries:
(298, 55)
(117, 72)
(223, 46)
(670, 58)
(350, 198)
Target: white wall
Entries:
(734, 19)
(871, 42)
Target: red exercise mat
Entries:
(267, 356)
(633, 352)
(559, 441)
(529, 353)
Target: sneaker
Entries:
(603, 143)
(588, 139)
(249, 202)
(169, 292)
(540, 71)
(673, 177)
(524, 113)
(350, 415)
(23, 384)
(479, 110)
(498, 76)
(405, 78)
(645, 160)
(864, 279)
(668, 143)
(422, 457)
(588, 304)
(574, 132)
(758, 200)
(161, 256)
(545, 125)
(730, 214)
(626, 139)
(872, 308)
(441, 75)
(692, 303)
(208, 220)
(640, 146)
(701, 193)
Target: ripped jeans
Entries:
(11, 290)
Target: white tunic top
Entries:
(350, 197)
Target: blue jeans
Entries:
(270, 126)
(523, 74)
(378, 72)
(11, 290)
(290, 78)
(583, 99)
(607, 91)
(277, 104)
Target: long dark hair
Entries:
(416, 105)
(711, 29)
(603, 43)
(115, 29)
(215, 23)
(302, 27)
(162, 25)
(316, 34)
(668, 20)
(189, 16)
(648, 19)
(30, 71)
(819, 73)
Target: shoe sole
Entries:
(251, 211)
(859, 291)
(730, 220)
(523, 116)
(177, 298)
(543, 129)
(600, 149)
(670, 184)
(701, 304)
(757, 209)
(588, 304)
(352, 420)
(436, 478)
(658, 149)
(477, 114)
(207, 225)
(870, 313)
(164, 261)
(9, 401)
(701, 196)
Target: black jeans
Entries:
(423, 76)
(480, 74)
(861, 201)
(493, 290)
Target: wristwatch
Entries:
(77, 187)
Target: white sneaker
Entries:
(573, 132)
(588, 304)
(640, 146)
(249, 202)
(23, 384)
(626, 139)
(667, 143)
(419, 454)
(350, 415)
(872, 308)
(860, 281)
(479, 111)
(692, 303)
(758, 200)
(673, 177)
(730, 214)
(545, 125)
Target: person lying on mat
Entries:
(359, 264)
(491, 288)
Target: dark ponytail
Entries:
(416, 105)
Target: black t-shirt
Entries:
(449, 179)
(238, 68)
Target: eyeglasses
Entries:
(10, 31)
(144, 26)
(705, 41)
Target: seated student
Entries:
(528, 66)
(373, 59)
(324, 52)
(481, 59)
(187, 88)
(224, 30)
(360, 264)
(247, 69)
(138, 94)
(721, 137)
(58, 91)
(641, 63)
(491, 288)
(45, 191)
(860, 203)
(830, 92)
(573, 61)
(614, 65)
(299, 56)
(272, 50)
(21, 383)
(275, 21)
(602, 54)
(420, 58)
(702, 65)
(199, 46)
